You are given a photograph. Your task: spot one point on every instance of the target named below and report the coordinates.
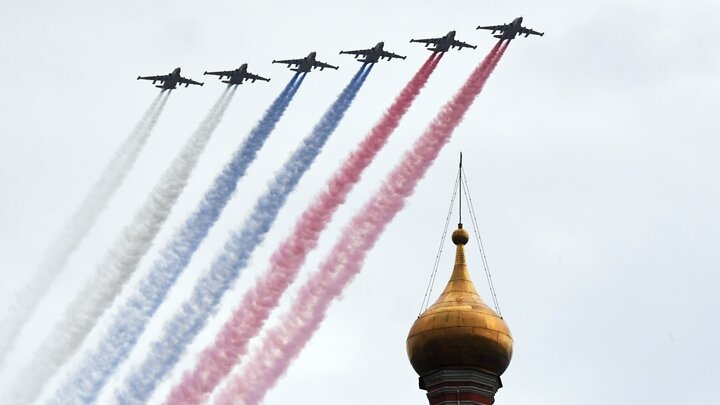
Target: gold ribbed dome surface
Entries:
(459, 330)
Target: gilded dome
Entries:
(459, 330)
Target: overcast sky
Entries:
(591, 157)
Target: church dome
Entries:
(459, 330)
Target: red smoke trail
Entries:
(217, 360)
(283, 343)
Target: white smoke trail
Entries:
(77, 226)
(111, 275)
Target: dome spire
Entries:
(459, 341)
(459, 329)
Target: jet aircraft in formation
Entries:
(237, 76)
(444, 44)
(374, 54)
(511, 30)
(306, 64)
(170, 81)
(371, 55)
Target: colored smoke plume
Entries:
(76, 228)
(187, 322)
(230, 345)
(97, 366)
(283, 343)
(118, 265)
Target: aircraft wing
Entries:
(527, 32)
(188, 82)
(254, 77)
(461, 44)
(221, 73)
(323, 65)
(289, 62)
(390, 55)
(427, 41)
(357, 52)
(494, 28)
(160, 78)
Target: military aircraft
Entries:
(305, 64)
(374, 54)
(444, 44)
(510, 31)
(170, 81)
(237, 76)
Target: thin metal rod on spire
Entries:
(460, 171)
(481, 247)
(458, 192)
(433, 274)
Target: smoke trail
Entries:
(217, 361)
(283, 343)
(117, 267)
(77, 226)
(206, 295)
(128, 325)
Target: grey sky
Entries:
(591, 157)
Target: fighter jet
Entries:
(237, 76)
(374, 54)
(444, 44)
(170, 81)
(305, 64)
(510, 31)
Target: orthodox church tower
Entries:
(459, 346)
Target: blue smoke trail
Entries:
(189, 320)
(98, 365)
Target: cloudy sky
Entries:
(591, 157)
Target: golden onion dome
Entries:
(459, 330)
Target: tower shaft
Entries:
(461, 386)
